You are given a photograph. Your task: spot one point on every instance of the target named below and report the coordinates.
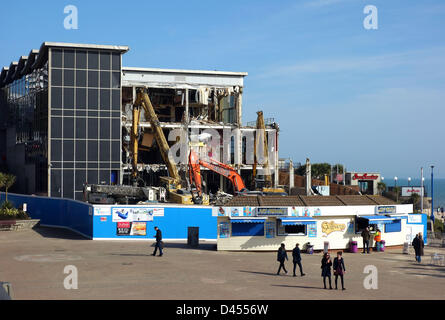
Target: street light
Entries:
(432, 199)
(409, 181)
(421, 189)
(395, 189)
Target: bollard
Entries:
(5, 291)
(326, 247)
(406, 248)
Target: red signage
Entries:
(364, 177)
(123, 225)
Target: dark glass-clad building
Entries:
(60, 120)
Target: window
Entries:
(247, 229)
(270, 229)
(293, 229)
(224, 230)
(360, 224)
(396, 226)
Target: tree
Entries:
(2, 180)
(397, 192)
(381, 186)
(8, 181)
(338, 168)
(319, 170)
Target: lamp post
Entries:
(409, 181)
(421, 190)
(432, 199)
(395, 189)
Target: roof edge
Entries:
(185, 71)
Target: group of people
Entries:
(366, 236)
(338, 265)
(296, 257)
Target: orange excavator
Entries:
(195, 164)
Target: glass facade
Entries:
(85, 104)
(61, 123)
(26, 102)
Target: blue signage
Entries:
(271, 211)
(386, 209)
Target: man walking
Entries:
(366, 235)
(158, 244)
(418, 247)
(281, 256)
(296, 255)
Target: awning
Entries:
(376, 219)
(297, 221)
(248, 220)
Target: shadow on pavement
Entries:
(202, 246)
(427, 274)
(422, 267)
(58, 233)
(301, 287)
(130, 254)
(258, 272)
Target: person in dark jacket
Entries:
(158, 244)
(421, 246)
(281, 257)
(296, 257)
(418, 247)
(415, 245)
(339, 269)
(326, 264)
(366, 236)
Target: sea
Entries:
(439, 188)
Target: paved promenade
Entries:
(33, 262)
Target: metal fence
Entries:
(436, 239)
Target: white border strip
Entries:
(152, 240)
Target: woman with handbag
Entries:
(326, 264)
(339, 269)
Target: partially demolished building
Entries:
(67, 114)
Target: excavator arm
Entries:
(143, 100)
(195, 164)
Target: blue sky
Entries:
(370, 99)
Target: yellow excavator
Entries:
(261, 138)
(173, 182)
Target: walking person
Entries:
(159, 243)
(326, 264)
(421, 245)
(296, 257)
(366, 236)
(418, 247)
(281, 257)
(339, 270)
